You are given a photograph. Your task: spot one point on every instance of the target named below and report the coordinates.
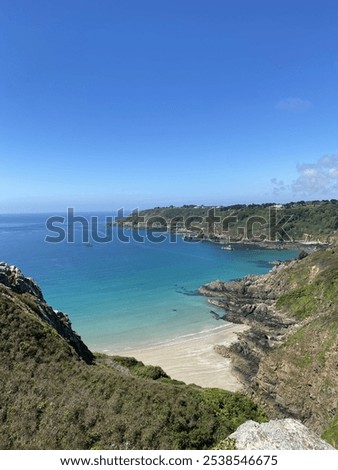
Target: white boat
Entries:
(227, 247)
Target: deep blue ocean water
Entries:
(126, 295)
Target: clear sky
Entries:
(109, 103)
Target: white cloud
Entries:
(333, 172)
(314, 180)
(294, 104)
(310, 172)
(318, 178)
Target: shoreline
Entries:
(264, 244)
(193, 359)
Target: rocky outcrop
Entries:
(288, 358)
(12, 277)
(281, 434)
(13, 280)
(252, 301)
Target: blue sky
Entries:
(135, 103)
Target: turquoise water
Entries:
(126, 295)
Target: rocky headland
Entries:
(252, 301)
(288, 358)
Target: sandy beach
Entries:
(192, 359)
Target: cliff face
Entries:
(31, 296)
(288, 358)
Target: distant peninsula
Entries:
(269, 225)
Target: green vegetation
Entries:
(313, 285)
(301, 302)
(306, 360)
(138, 369)
(52, 399)
(331, 433)
(301, 220)
(227, 444)
(230, 407)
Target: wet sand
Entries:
(192, 359)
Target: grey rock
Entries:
(12, 277)
(279, 434)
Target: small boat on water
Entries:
(227, 247)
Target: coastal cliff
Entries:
(288, 359)
(31, 295)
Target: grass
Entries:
(306, 360)
(300, 303)
(331, 432)
(308, 292)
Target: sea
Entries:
(124, 293)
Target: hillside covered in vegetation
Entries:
(294, 221)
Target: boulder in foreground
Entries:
(279, 434)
